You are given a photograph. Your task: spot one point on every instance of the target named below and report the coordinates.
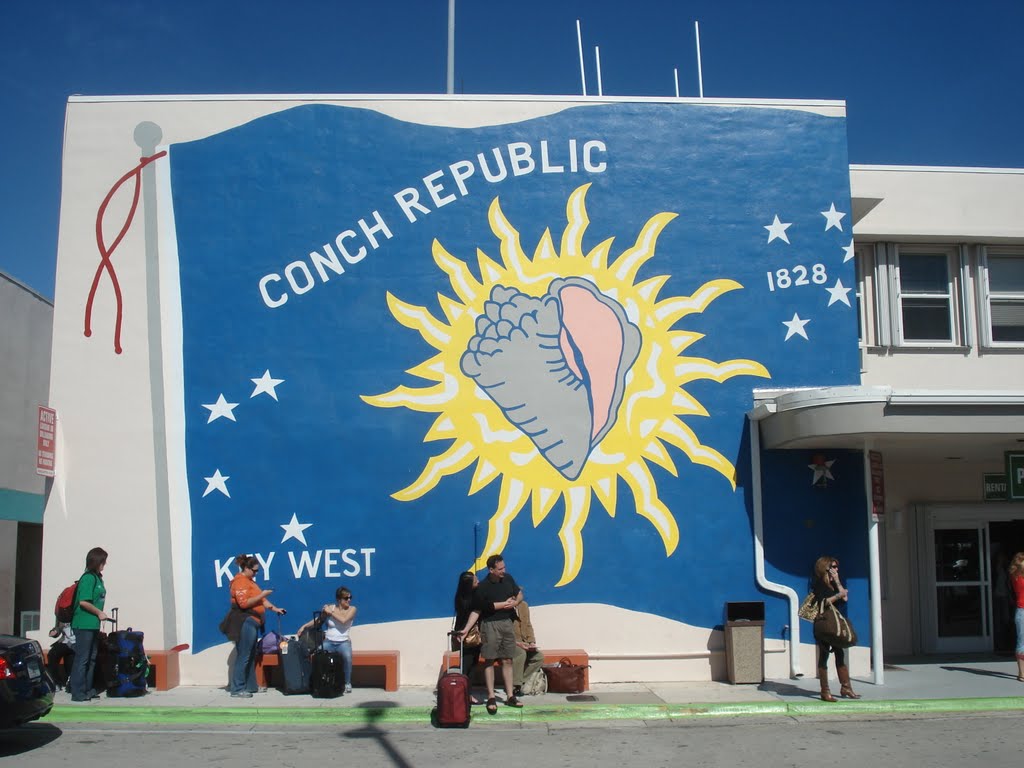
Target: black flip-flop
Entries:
(492, 706)
(512, 701)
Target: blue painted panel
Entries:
(726, 265)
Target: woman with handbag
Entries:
(1017, 582)
(828, 590)
(470, 655)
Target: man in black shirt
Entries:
(495, 602)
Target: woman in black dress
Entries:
(828, 589)
(463, 608)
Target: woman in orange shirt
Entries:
(252, 601)
(1017, 582)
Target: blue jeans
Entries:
(345, 649)
(82, 671)
(1018, 619)
(243, 676)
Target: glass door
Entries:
(963, 621)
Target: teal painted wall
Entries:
(20, 506)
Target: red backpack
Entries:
(64, 610)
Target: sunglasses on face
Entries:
(345, 597)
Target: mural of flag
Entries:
(406, 345)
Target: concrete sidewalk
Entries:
(915, 686)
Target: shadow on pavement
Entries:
(373, 712)
(982, 672)
(786, 689)
(18, 741)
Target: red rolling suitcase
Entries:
(453, 699)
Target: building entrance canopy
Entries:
(906, 424)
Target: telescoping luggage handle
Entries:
(112, 618)
(462, 644)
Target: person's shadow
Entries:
(786, 689)
(374, 711)
(981, 672)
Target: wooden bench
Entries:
(164, 668)
(551, 656)
(388, 661)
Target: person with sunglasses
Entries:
(249, 604)
(828, 589)
(336, 620)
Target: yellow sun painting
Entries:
(559, 374)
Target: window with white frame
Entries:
(1003, 297)
(926, 296)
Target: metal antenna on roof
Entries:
(579, 42)
(700, 74)
(675, 75)
(597, 55)
(451, 46)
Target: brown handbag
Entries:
(565, 677)
(833, 628)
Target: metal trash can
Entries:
(744, 642)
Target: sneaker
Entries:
(348, 688)
(517, 691)
(241, 695)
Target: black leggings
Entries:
(823, 651)
(470, 658)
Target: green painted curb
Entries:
(538, 714)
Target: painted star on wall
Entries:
(848, 250)
(795, 327)
(833, 218)
(265, 385)
(217, 482)
(822, 470)
(777, 230)
(222, 408)
(838, 293)
(294, 530)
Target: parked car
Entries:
(26, 690)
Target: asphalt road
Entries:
(989, 740)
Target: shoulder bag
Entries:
(809, 609)
(833, 628)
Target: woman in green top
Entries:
(85, 623)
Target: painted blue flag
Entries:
(406, 347)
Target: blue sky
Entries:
(936, 83)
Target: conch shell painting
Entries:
(556, 365)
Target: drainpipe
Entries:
(875, 569)
(789, 593)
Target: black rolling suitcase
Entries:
(295, 668)
(327, 680)
(453, 705)
(296, 660)
(123, 661)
